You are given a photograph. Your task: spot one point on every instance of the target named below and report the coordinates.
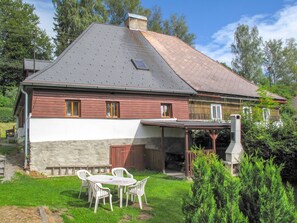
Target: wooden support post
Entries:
(213, 137)
(187, 153)
(163, 150)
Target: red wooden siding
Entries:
(153, 159)
(128, 156)
(52, 104)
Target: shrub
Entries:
(270, 141)
(264, 198)
(257, 195)
(6, 114)
(215, 193)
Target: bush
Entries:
(257, 195)
(6, 114)
(215, 193)
(264, 198)
(270, 141)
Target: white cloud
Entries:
(45, 10)
(281, 25)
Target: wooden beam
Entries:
(163, 150)
(213, 137)
(187, 153)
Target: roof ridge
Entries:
(60, 56)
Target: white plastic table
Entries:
(112, 180)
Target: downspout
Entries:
(26, 127)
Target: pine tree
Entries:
(174, 26)
(215, 193)
(118, 9)
(72, 17)
(199, 205)
(264, 198)
(20, 36)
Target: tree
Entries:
(281, 61)
(264, 198)
(215, 193)
(117, 10)
(290, 53)
(20, 37)
(72, 17)
(177, 27)
(174, 26)
(275, 61)
(155, 21)
(248, 54)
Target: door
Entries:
(127, 156)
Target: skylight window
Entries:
(139, 64)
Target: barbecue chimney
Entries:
(235, 149)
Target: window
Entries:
(247, 111)
(266, 114)
(72, 108)
(166, 110)
(216, 112)
(139, 64)
(112, 109)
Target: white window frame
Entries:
(248, 109)
(266, 117)
(218, 107)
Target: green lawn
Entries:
(4, 127)
(164, 196)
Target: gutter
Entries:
(26, 165)
(107, 88)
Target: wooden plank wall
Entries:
(128, 156)
(153, 159)
(200, 108)
(93, 105)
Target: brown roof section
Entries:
(198, 70)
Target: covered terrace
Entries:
(212, 128)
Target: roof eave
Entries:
(105, 88)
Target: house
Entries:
(123, 96)
(31, 66)
(220, 92)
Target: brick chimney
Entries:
(136, 22)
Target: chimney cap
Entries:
(135, 16)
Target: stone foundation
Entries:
(88, 152)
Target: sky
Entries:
(213, 21)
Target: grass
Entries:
(164, 195)
(7, 150)
(4, 127)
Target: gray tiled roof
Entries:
(101, 58)
(39, 64)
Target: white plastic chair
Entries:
(121, 172)
(83, 174)
(99, 192)
(138, 190)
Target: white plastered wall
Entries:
(64, 129)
